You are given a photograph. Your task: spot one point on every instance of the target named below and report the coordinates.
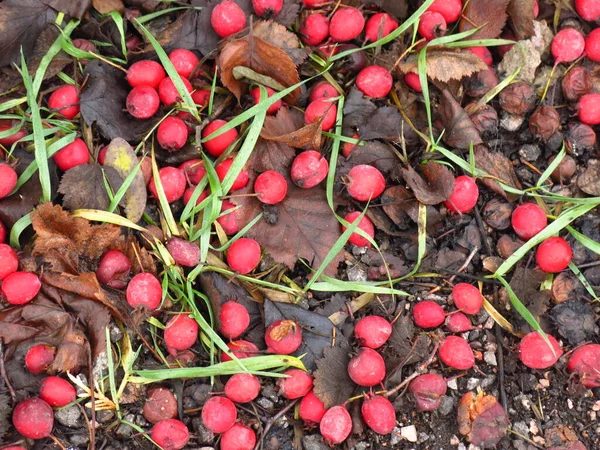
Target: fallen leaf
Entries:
(482, 419)
(521, 16)
(589, 180)
(288, 128)
(386, 124)
(375, 153)
(289, 13)
(434, 186)
(104, 31)
(278, 35)
(42, 45)
(397, 8)
(357, 109)
(459, 129)
(526, 284)
(106, 6)
(83, 186)
(73, 8)
(575, 321)
(332, 383)
(499, 166)
(445, 64)
(491, 15)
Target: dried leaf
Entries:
(73, 8)
(521, 16)
(397, 8)
(482, 419)
(278, 35)
(106, 6)
(83, 186)
(332, 383)
(460, 131)
(357, 109)
(403, 348)
(492, 15)
(435, 186)
(289, 13)
(374, 153)
(45, 40)
(288, 128)
(589, 180)
(396, 200)
(446, 64)
(385, 124)
(498, 166)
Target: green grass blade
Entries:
(148, 17)
(162, 198)
(588, 287)
(18, 228)
(334, 285)
(120, 24)
(123, 189)
(588, 243)
(552, 167)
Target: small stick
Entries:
(274, 419)
(3, 373)
(420, 370)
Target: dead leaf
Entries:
(459, 129)
(83, 186)
(386, 124)
(404, 347)
(482, 419)
(498, 166)
(402, 208)
(374, 153)
(45, 40)
(106, 6)
(332, 383)
(435, 186)
(288, 128)
(521, 16)
(397, 8)
(73, 8)
(278, 35)
(446, 64)
(357, 109)
(289, 13)
(589, 180)
(141, 259)
(491, 15)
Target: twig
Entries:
(57, 442)
(92, 397)
(3, 373)
(274, 419)
(420, 370)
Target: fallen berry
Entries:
(428, 391)
(458, 323)
(483, 54)
(428, 314)
(9, 261)
(201, 97)
(184, 61)
(145, 290)
(467, 298)
(365, 225)
(535, 352)
(39, 357)
(19, 288)
(170, 434)
(379, 26)
(181, 333)
(172, 134)
(238, 437)
(160, 405)
(241, 180)
(243, 255)
(379, 414)
(142, 102)
(346, 24)
(65, 101)
(589, 109)
(432, 25)
(313, 3)
(365, 183)
(367, 368)
(464, 196)
(33, 418)
(271, 187)
(588, 9)
(553, 255)
(184, 252)
(241, 349)
(348, 147)
(536, 9)
(455, 352)
(194, 170)
(57, 392)
(218, 144)
(311, 409)
(314, 29)
(372, 331)
(145, 73)
(321, 110)
(113, 269)
(234, 319)
(517, 98)
(219, 414)
(230, 221)
(309, 169)
(267, 8)
(413, 81)
(544, 122)
(242, 388)
(592, 45)
(187, 195)
(173, 184)
(72, 155)
(168, 93)
(374, 81)
(449, 9)
(2, 234)
(283, 337)
(528, 220)
(227, 18)
(255, 94)
(8, 180)
(567, 45)
(585, 363)
(6, 125)
(298, 384)
(102, 154)
(323, 90)
(335, 425)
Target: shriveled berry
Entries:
(6, 125)
(145, 290)
(181, 333)
(346, 24)
(309, 169)
(589, 109)
(428, 391)
(243, 255)
(483, 54)
(142, 102)
(336, 425)
(160, 404)
(449, 9)
(588, 9)
(367, 368)
(57, 391)
(184, 61)
(238, 437)
(379, 26)
(323, 90)
(184, 252)
(467, 298)
(297, 384)
(485, 119)
(567, 45)
(481, 83)
(283, 337)
(314, 29)
(321, 110)
(9, 261)
(217, 145)
(242, 388)
(267, 8)
(33, 418)
(194, 170)
(432, 25)
(517, 98)
(234, 318)
(428, 314)
(458, 323)
(39, 357)
(145, 73)
(65, 101)
(372, 331)
(565, 170)
(173, 184)
(114, 269)
(544, 122)
(271, 187)
(311, 409)
(576, 83)
(241, 349)
(255, 94)
(227, 18)
(241, 180)
(379, 414)
(170, 434)
(535, 352)
(172, 134)
(528, 220)
(365, 183)
(413, 81)
(553, 255)
(19, 288)
(374, 81)
(219, 414)
(230, 221)
(585, 363)
(365, 225)
(168, 93)
(72, 155)
(464, 196)
(455, 352)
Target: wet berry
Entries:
(172, 134)
(464, 196)
(528, 220)
(553, 255)
(309, 169)
(374, 81)
(145, 290)
(271, 187)
(19, 288)
(184, 61)
(346, 24)
(173, 183)
(323, 110)
(218, 144)
(243, 255)
(365, 225)
(365, 183)
(65, 101)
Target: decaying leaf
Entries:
(402, 208)
(288, 128)
(498, 166)
(482, 419)
(332, 383)
(434, 186)
(589, 180)
(375, 153)
(459, 129)
(397, 8)
(357, 109)
(278, 35)
(83, 186)
(521, 16)
(386, 123)
(491, 15)
(106, 6)
(71, 8)
(446, 64)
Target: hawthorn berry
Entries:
(219, 414)
(314, 29)
(85, 45)
(8, 180)
(592, 45)
(432, 25)
(428, 314)
(321, 110)
(227, 18)
(467, 298)
(33, 418)
(230, 221)
(283, 337)
(113, 269)
(346, 24)
(201, 97)
(428, 391)
(335, 425)
(172, 134)
(39, 357)
(313, 3)
(173, 183)
(528, 220)
(588, 9)
(2, 233)
(322, 90)
(413, 81)
(181, 332)
(365, 183)
(297, 384)
(455, 352)
(72, 155)
(243, 255)
(367, 368)
(142, 102)
(242, 388)
(19, 288)
(170, 434)
(372, 331)
(535, 352)
(311, 409)
(536, 9)
(449, 9)
(194, 170)
(184, 252)
(6, 125)
(145, 290)
(267, 8)
(145, 73)
(309, 169)
(241, 349)
(589, 109)
(374, 81)
(217, 145)
(379, 414)
(234, 319)
(168, 93)
(242, 179)
(184, 61)
(238, 437)
(553, 255)
(379, 26)
(464, 196)
(585, 362)
(458, 322)
(57, 392)
(567, 45)
(365, 225)
(348, 147)
(271, 187)
(160, 404)
(65, 101)
(483, 54)
(102, 154)
(255, 94)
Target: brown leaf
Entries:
(521, 16)
(278, 35)
(435, 186)
(73, 8)
(288, 128)
(141, 259)
(499, 166)
(106, 6)
(482, 419)
(374, 153)
(397, 8)
(492, 15)
(589, 180)
(261, 57)
(446, 64)
(460, 131)
(332, 383)
(396, 200)
(83, 186)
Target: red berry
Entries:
(311, 409)
(567, 45)
(238, 437)
(336, 425)
(298, 384)
(194, 170)
(372, 331)
(428, 391)
(102, 154)
(6, 125)
(458, 323)
(346, 24)
(65, 101)
(217, 145)
(255, 94)
(201, 97)
(464, 196)
(313, 3)
(413, 81)
(234, 318)
(267, 8)
(181, 333)
(219, 414)
(553, 255)
(72, 155)
(142, 102)
(483, 54)
(374, 81)
(467, 298)
(243, 255)
(168, 93)
(321, 109)
(19, 288)
(455, 352)
(585, 362)
(589, 109)
(379, 26)
(309, 169)
(528, 220)
(8, 180)
(348, 147)
(9, 261)
(592, 45)
(379, 414)
(367, 368)
(365, 225)
(365, 183)
(85, 45)
(145, 290)
(449, 9)
(227, 18)
(241, 349)
(283, 337)
(39, 357)
(230, 221)
(314, 29)
(271, 187)
(33, 418)
(184, 253)
(172, 134)
(2, 235)
(114, 269)
(170, 434)
(242, 388)
(428, 314)
(588, 9)
(535, 352)
(242, 179)
(536, 9)
(173, 183)
(57, 392)
(432, 25)
(187, 195)
(145, 73)
(323, 90)
(184, 61)
(160, 405)
(504, 49)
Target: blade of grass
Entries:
(162, 198)
(588, 243)
(123, 189)
(588, 287)
(97, 215)
(552, 167)
(120, 24)
(18, 228)
(148, 17)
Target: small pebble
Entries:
(510, 122)
(452, 384)
(530, 152)
(472, 383)
(409, 433)
(69, 417)
(490, 358)
(265, 403)
(395, 437)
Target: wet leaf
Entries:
(575, 321)
(403, 208)
(521, 16)
(460, 131)
(397, 8)
(374, 153)
(288, 128)
(482, 419)
(83, 186)
(589, 180)
(332, 383)
(403, 348)
(434, 186)
(73, 8)
(385, 124)
(106, 6)
(289, 13)
(45, 40)
(499, 166)
(446, 64)
(482, 12)
(278, 35)
(357, 109)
